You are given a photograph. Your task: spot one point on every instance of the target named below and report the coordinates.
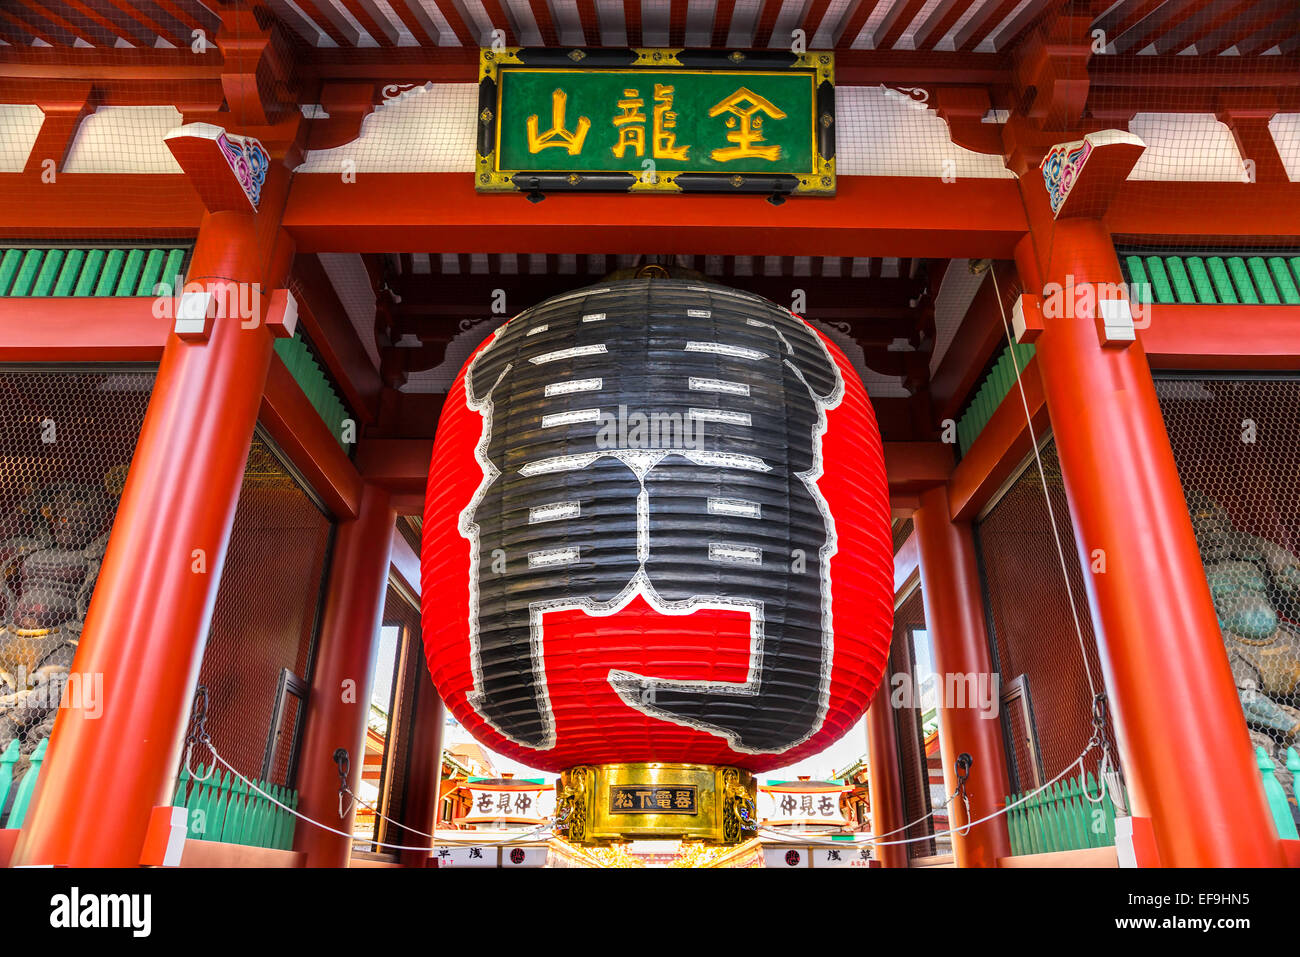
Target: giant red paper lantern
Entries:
(657, 529)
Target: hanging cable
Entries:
(1042, 477)
(198, 733)
(786, 837)
(540, 832)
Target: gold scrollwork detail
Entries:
(662, 183)
(739, 812)
(489, 60)
(821, 61)
(489, 178)
(655, 56)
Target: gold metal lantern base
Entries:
(605, 803)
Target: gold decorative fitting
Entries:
(737, 181)
(576, 55)
(486, 116)
(653, 56)
(736, 56)
(574, 179)
(610, 803)
(827, 119)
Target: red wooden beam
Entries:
(913, 467)
(722, 11)
(677, 23)
(1149, 28)
(936, 26)
(1281, 31)
(631, 21)
(319, 13)
(860, 13)
(983, 23)
(399, 465)
(766, 23)
(979, 336)
(416, 21)
(545, 25)
(906, 560)
(891, 29)
(1122, 16)
(108, 31)
(380, 32)
(884, 215)
(99, 205)
(1231, 212)
(1223, 337)
(812, 20)
(404, 560)
(191, 17)
(1209, 20)
(64, 107)
(76, 329)
(288, 415)
(30, 23)
(140, 13)
(999, 448)
(589, 18)
(336, 340)
(1257, 16)
(497, 14)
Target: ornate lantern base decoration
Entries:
(605, 803)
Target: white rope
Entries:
(1042, 477)
(786, 838)
(521, 838)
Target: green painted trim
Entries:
(1251, 279)
(306, 371)
(991, 391)
(23, 797)
(1201, 279)
(89, 271)
(49, 273)
(1282, 279)
(1278, 805)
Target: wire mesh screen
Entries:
(1236, 441)
(265, 619)
(1046, 699)
(66, 441)
(902, 532)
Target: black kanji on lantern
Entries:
(708, 500)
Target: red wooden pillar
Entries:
(887, 812)
(345, 666)
(424, 784)
(149, 618)
(954, 617)
(1185, 750)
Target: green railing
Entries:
(1276, 794)
(223, 808)
(1062, 818)
(23, 796)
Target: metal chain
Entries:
(198, 732)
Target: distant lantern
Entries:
(657, 553)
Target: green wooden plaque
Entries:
(553, 120)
